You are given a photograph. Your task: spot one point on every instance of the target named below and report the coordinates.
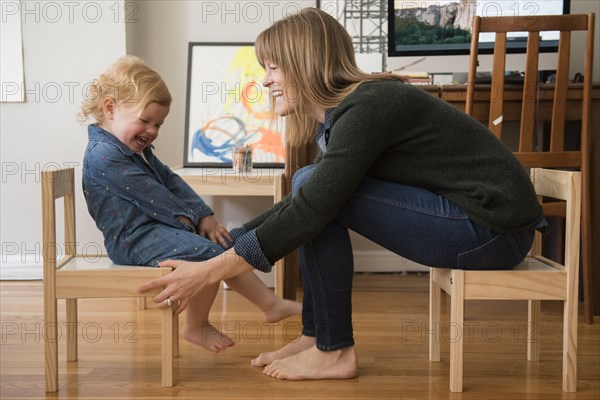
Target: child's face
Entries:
(135, 130)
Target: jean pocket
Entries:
(504, 251)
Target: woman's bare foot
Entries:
(315, 364)
(208, 337)
(282, 309)
(293, 348)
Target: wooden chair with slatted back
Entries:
(76, 276)
(537, 278)
(530, 153)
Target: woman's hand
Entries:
(189, 279)
(210, 228)
(185, 282)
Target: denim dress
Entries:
(135, 204)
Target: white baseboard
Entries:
(21, 268)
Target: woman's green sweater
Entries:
(397, 132)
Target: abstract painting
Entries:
(227, 106)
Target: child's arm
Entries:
(177, 185)
(123, 178)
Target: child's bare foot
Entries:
(315, 364)
(208, 337)
(282, 309)
(295, 347)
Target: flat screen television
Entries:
(423, 28)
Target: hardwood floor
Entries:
(119, 350)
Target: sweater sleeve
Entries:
(176, 185)
(247, 247)
(357, 139)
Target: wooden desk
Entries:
(225, 182)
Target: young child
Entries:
(146, 212)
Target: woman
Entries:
(397, 165)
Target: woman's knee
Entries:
(301, 176)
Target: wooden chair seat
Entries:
(538, 264)
(102, 263)
(98, 277)
(540, 283)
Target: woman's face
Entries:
(282, 93)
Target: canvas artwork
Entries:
(228, 107)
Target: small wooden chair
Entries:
(75, 276)
(536, 278)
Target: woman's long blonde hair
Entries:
(316, 56)
(128, 80)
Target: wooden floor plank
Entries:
(119, 351)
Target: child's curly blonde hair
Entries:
(128, 80)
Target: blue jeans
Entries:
(411, 222)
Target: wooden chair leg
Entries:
(586, 254)
(71, 326)
(175, 335)
(533, 329)
(570, 342)
(434, 317)
(279, 278)
(168, 321)
(50, 334)
(457, 305)
(167, 347)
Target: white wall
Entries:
(65, 45)
(578, 51)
